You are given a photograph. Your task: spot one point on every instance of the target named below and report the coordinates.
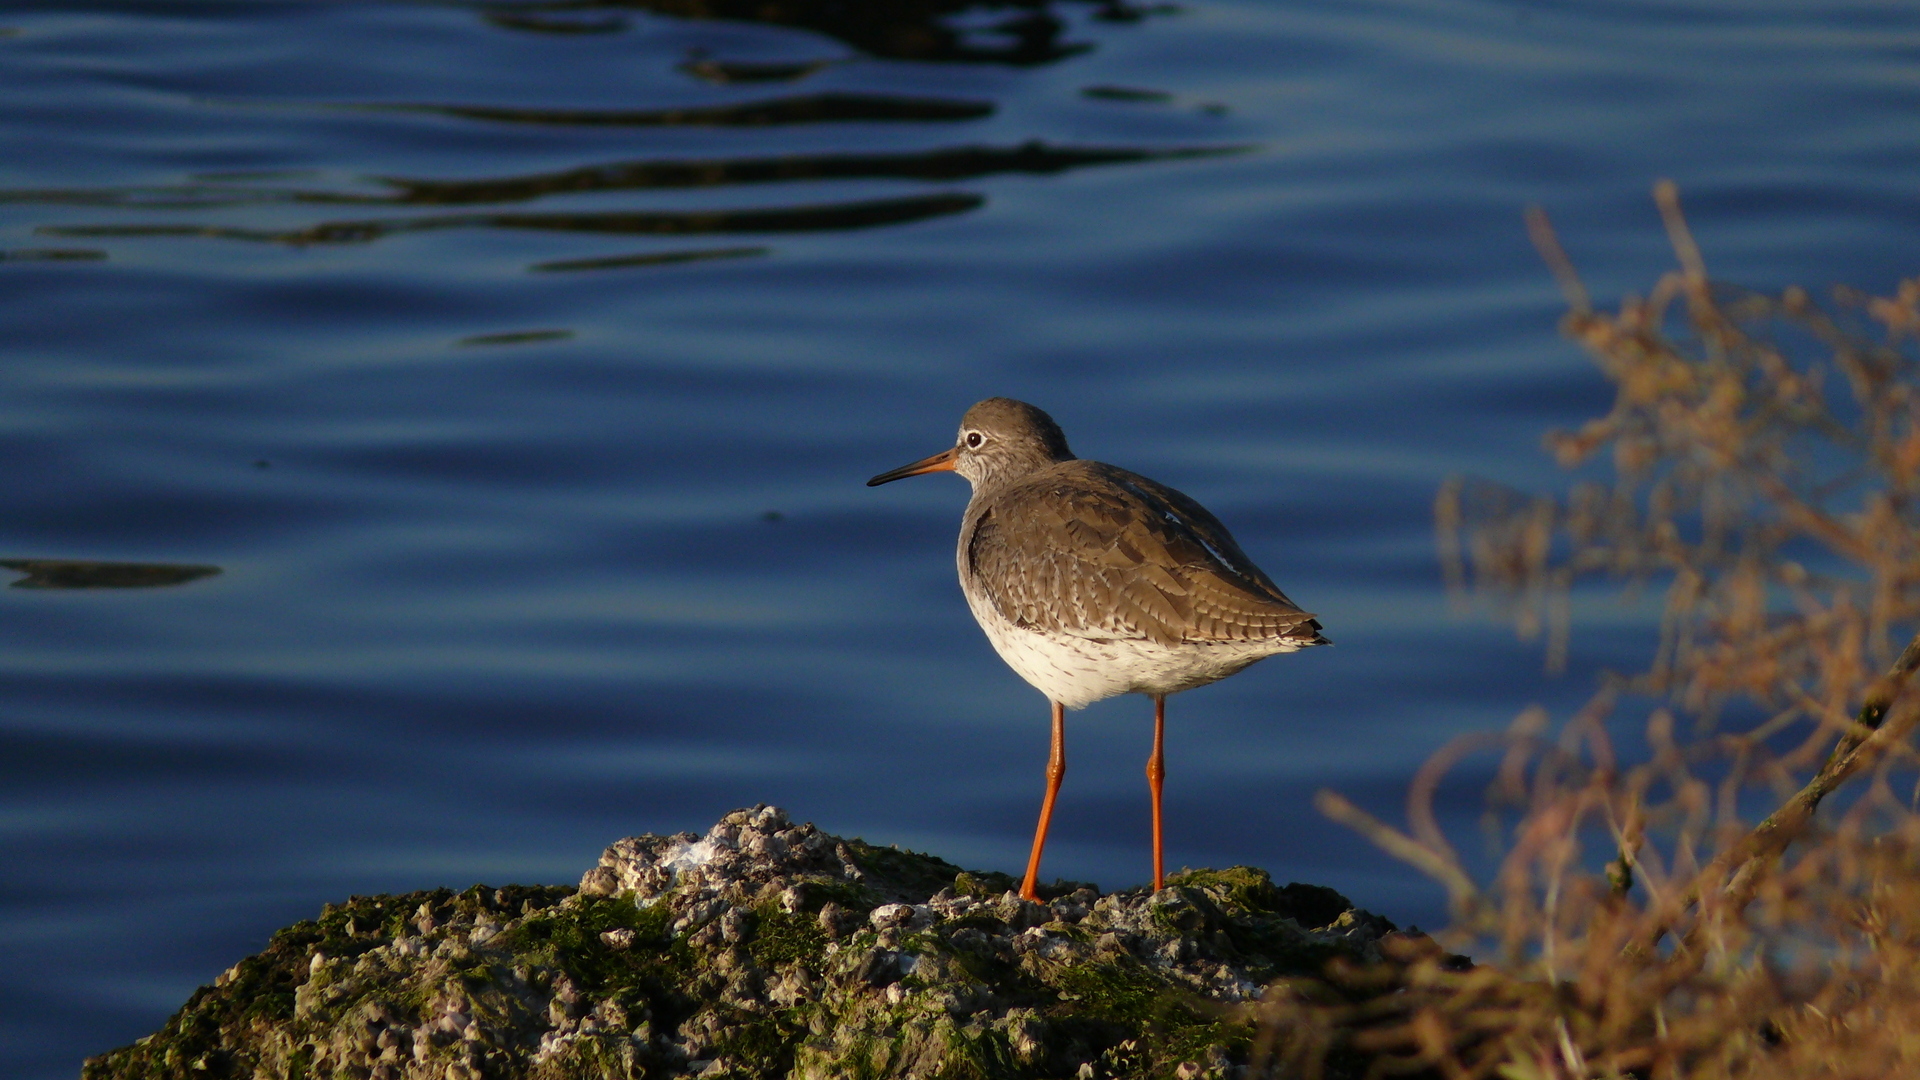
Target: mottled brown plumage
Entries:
(1087, 549)
(1092, 581)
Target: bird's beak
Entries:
(940, 462)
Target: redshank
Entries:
(1091, 581)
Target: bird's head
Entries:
(1000, 439)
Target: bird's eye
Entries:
(974, 439)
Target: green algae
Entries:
(1164, 1024)
(782, 937)
(760, 1044)
(757, 965)
(593, 1058)
(255, 996)
(1238, 888)
(982, 884)
(816, 893)
(899, 874)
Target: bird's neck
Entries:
(992, 482)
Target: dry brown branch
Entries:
(1540, 231)
(1460, 888)
(1765, 479)
(1738, 869)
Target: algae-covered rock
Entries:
(763, 949)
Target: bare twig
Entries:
(1460, 888)
(1666, 195)
(1741, 865)
(1540, 231)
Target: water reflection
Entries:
(828, 216)
(91, 574)
(654, 258)
(768, 112)
(557, 22)
(1017, 32)
(954, 163)
(1020, 32)
(52, 255)
(725, 72)
(1131, 94)
(516, 337)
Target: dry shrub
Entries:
(1764, 457)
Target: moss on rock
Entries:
(763, 949)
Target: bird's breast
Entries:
(1077, 670)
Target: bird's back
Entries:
(1085, 550)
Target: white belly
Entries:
(1077, 671)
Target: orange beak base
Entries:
(940, 462)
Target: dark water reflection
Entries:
(722, 71)
(657, 258)
(837, 216)
(513, 563)
(91, 574)
(959, 163)
(805, 109)
(1020, 32)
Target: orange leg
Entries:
(1157, 772)
(1056, 772)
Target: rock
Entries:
(762, 949)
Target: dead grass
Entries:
(1759, 472)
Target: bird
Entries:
(1091, 581)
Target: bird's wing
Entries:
(1099, 552)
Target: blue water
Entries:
(519, 367)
